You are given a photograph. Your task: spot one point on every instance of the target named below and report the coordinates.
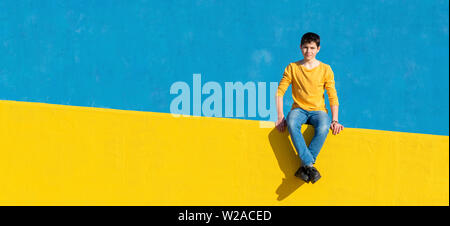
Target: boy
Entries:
(309, 78)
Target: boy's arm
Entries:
(285, 81)
(334, 112)
(336, 127)
(330, 87)
(280, 124)
(282, 87)
(280, 107)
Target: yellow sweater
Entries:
(308, 86)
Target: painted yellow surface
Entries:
(67, 155)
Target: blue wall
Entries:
(390, 58)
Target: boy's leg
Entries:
(321, 123)
(295, 119)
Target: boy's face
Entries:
(309, 50)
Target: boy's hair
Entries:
(310, 37)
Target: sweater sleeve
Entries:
(285, 81)
(330, 87)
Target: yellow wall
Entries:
(66, 155)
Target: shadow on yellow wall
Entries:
(288, 159)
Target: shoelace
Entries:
(310, 170)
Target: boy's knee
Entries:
(290, 123)
(322, 129)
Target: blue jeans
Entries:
(321, 123)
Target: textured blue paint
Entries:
(390, 58)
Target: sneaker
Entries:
(313, 174)
(302, 174)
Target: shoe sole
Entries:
(314, 181)
(300, 177)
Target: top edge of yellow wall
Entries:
(262, 124)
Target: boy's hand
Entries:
(281, 124)
(336, 128)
